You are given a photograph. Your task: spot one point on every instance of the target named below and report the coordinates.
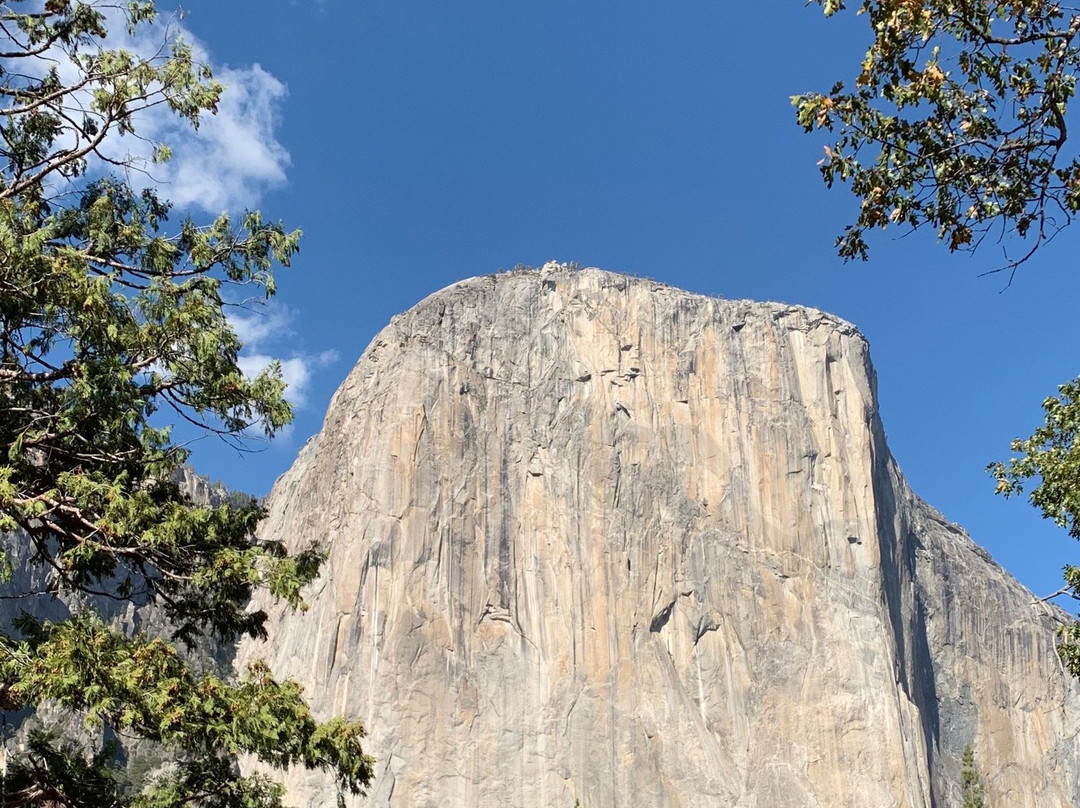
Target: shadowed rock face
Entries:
(594, 538)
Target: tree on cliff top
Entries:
(111, 326)
(956, 121)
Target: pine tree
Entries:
(112, 326)
(971, 781)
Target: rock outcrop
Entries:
(596, 539)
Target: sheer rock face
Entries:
(594, 538)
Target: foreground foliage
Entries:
(111, 327)
(956, 121)
(1051, 458)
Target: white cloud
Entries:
(297, 371)
(233, 157)
(259, 330)
(228, 163)
(262, 324)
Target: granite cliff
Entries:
(596, 539)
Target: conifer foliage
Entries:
(113, 326)
(970, 781)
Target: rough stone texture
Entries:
(594, 538)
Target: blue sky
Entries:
(421, 142)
